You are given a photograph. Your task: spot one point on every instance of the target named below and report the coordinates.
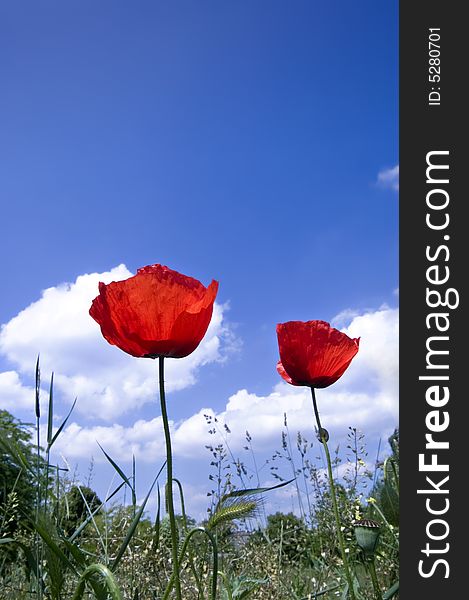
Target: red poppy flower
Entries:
(313, 353)
(157, 312)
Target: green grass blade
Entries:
(59, 430)
(14, 450)
(252, 491)
(134, 524)
(344, 595)
(106, 577)
(184, 548)
(131, 531)
(134, 483)
(38, 388)
(120, 472)
(79, 529)
(156, 529)
(90, 513)
(326, 591)
(391, 592)
(77, 553)
(30, 558)
(50, 412)
(51, 544)
(183, 504)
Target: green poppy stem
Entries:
(374, 578)
(169, 485)
(322, 434)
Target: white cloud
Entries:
(107, 381)
(13, 394)
(389, 178)
(144, 440)
(366, 397)
(110, 384)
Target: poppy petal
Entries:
(313, 353)
(284, 374)
(157, 312)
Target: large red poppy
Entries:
(157, 312)
(313, 353)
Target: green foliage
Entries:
(386, 490)
(240, 587)
(16, 461)
(83, 547)
(105, 587)
(76, 505)
(17, 482)
(291, 536)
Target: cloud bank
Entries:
(111, 385)
(366, 397)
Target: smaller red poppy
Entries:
(157, 312)
(313, 353)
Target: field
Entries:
(58, 540)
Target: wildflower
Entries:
(313, 353)
(157, 312)
(316, 355)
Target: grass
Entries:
(74, 545)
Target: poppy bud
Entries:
(367, 535)
(323, 433)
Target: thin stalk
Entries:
(333, 497)
(292, 461)
(355, 451)
(38, 506)
(279, 566)
(387, 523)
(169, 486)
(375, 475)
(249, 440)
(303, 471)
(191, 556)
(227, 585)
(233, 459)
(134, 512)
(50, 417)
(374, 578)
(213, 542)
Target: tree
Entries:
(17, 464)
(17, 481)
(77, 503)
(289, 532)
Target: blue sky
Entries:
(241, 141)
